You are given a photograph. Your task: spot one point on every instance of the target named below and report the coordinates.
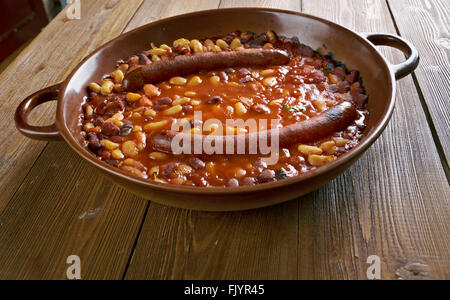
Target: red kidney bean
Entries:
(101, 108)
(305, 51)
(93, 142)
(291, 46)
(233, 182)
(168, 168)
(109, 113)
(110, 129)
(223, 76)
(260, 165)
(260, 40)
(105, 155)
(244, 72)
(215, 100)
(188, 108)
(247, 37)
(118, 104)
(116, 139)
(295, 48)
(198, 180)
(339, 72)
(343, 86)
(352, 77)
(357, 90)
(195, 123)
(317, 63)
(266, 176)
(99, 121)
(229, 38)
(359, 98)
(197, 163)
(164, 101)
(248, 181)
(158, 107)
(112, 162)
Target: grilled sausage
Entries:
(188, 64)
(321, 126)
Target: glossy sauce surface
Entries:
(302, 89)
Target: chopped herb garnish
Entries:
(293, 108)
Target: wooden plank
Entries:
(426, 24)
(181, 244)
(63, 209)
(153, 10)
(393, 202)
(294, 5)
(46, 61)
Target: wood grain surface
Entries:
(69, 211)
(392, 203)
(426, 24)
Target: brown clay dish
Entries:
(356, 51)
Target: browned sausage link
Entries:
(188, 64)
(333, 120)
(321, 126)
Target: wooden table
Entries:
(393, 203)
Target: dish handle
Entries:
(385, 39)
(47, 133)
